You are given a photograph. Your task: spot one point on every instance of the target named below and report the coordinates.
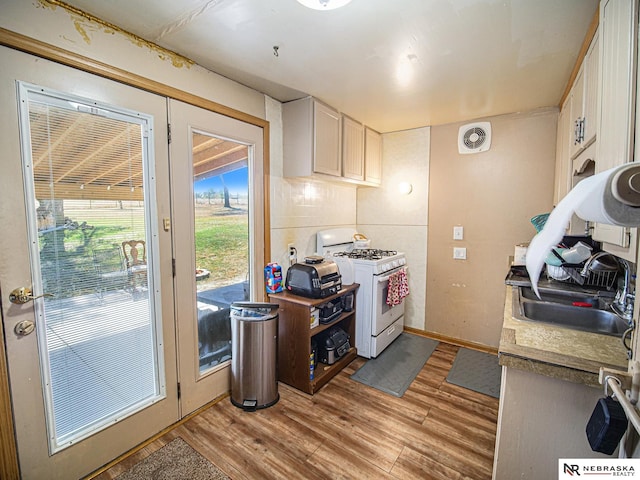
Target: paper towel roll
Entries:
(595, 199)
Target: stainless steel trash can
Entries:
(254, 340)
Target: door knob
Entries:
(23, 295)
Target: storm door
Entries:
(216, 165)
(88, 323)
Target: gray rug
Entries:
(396, 367)
(477, 371)
(175, 461)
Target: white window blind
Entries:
(86, 173)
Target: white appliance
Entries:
(377, 324)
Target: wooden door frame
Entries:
(9, 468)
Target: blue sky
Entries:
(236, 181)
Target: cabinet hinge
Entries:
(173, 267)
(169, 133)
(179, 391)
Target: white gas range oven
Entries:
(377, 323)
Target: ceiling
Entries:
(393, 65)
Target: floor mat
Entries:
(396, 367)
(477, 371)
(175, 461)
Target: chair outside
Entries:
(135, 255)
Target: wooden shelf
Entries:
(295, 334)
(323, 326)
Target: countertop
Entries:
(557, 352)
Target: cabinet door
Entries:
(352, 149)
(373, 156)
(617, 46)
(327, 140)
(590, 109)
(617, 97)
(563, 160)
(576, 102)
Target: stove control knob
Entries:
(385, 267)
(402, 261)
(395, 263)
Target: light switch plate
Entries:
(460, 253)
(458, 232)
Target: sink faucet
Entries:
(623, 303)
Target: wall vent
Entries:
(474, 137)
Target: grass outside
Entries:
(222, 244)
(221, 235)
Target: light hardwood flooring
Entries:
(349, 431)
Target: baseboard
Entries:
(453, 341)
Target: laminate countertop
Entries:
(557, 352)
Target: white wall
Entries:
(493, 195)
(399, 222)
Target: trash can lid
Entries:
(254, 310)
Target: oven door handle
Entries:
(391, 272)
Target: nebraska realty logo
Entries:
(594, 468)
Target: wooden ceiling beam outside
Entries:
(56, 143)
(100, 148)
(202, 142)
(136, 160)
(215, 164)
(208, 155)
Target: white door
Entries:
(218, 205)
(97, 375)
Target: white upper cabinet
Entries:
(352, 149)
(617, 87)
(577, 121)
(563, 158)
(583, 101)
(321, 142)
(618, 38)
(327, 155)
(373, 157)
(590, 105)
(576, 103)
(312, 139)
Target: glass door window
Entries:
(221, 233)
(92, 250)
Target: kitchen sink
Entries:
(556, 308)
(561, 296)
(578, 318)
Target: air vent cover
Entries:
(474, 137)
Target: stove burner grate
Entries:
(366, 253)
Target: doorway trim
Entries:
(8, 453)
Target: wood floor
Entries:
(349, 431)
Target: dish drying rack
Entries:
(605, 280)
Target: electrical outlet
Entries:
(460, 253)
(293, 253)
(458, 232)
